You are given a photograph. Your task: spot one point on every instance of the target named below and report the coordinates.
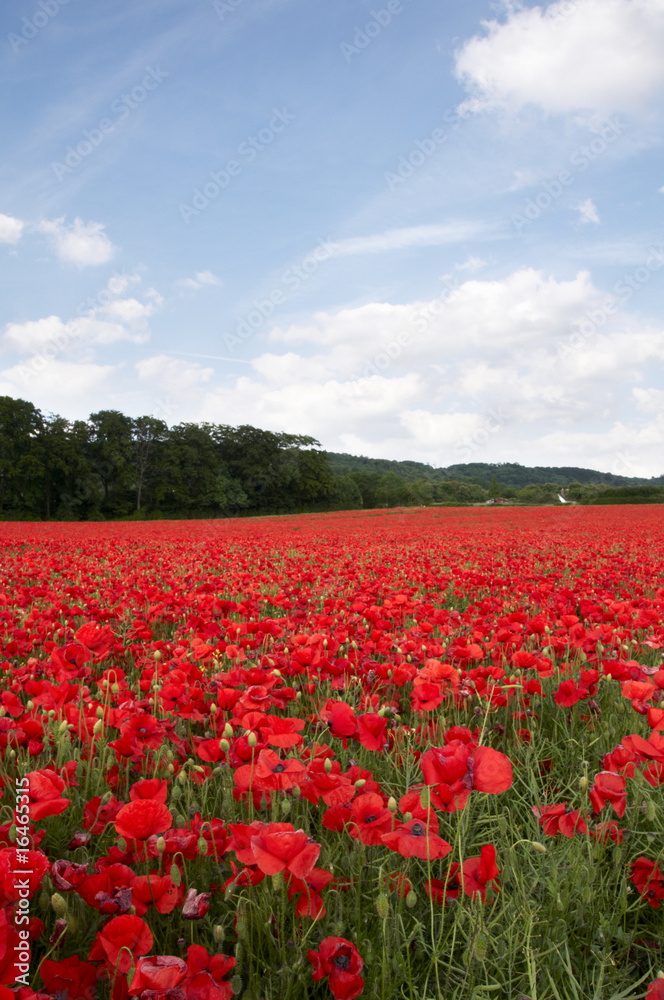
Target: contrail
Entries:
(210, 357)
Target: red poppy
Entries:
(67, 875)
(560, 819)
(144, 731)
(206, 975)
(34, 864)
(608, 831)
(280, 732)
(480, 872)
(96, 815)
(71, 979)
(279, 847)
(121, 942)
(340, 960)
(142, 818)
(270, 773)
(309, 901)
(370, 819)
(655, 989)
(155, 890)
(158, 973)
(150, 788)
(440, 890)
(109, 891)
(371, 731)
(45, 793)
(648, 879)
(417, 839)
(611, 788)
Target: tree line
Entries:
(112, 466)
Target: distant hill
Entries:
(505, 473)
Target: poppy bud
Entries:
(298, 696)
(98, 727)
(252, 740)
(3, 711)
(202, 846)
(176, 878)
(99, 712)
(122, 844)
(161, 844)
(583, 783)
(327, 765)
(12, 754)
(58, 904)
(407, 817)
(425, 798)
(502, 826)
(236, 985)
(12, 834)
(44, 901)
(382, 906)
(158, 655)
(276, 672)
(285, 806)
(213, 709)
(182, 777)
(296, 792)
(176, 793)
(392, 804)
(650, 810)
(115, 688)
(411, 899)
(218, 933)
(179, 821)
(30, 705)
(559, 904)
(277, 881)
(480, 946)
(360, 782)
(170, 769)
(540, 848)
(263, 804)
(62, 728)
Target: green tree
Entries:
(21, 458)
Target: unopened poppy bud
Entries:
(296, 792)
(161, 844)
(277, 881)
(298, 696)
(360, 783)
(480, 946)
(218, 933)
(179, 822)
(158, 655)
(30, 705)
(382, 906)
(11, 835)
(411, 899)
(285, 806)
(44, 901)
(264, 802)
(202, 846)
(392, 804)
(176, 793)
(170, 769)
(182, 777)
(224, 745)
(3, 711)
(176, 878)
(252, 740)
(650, 810)
(407, 817)
(228, 731)
(115, 688)
(327, 765)
(62, 728)
(559, 904)
(425, 798)
(213, 709)
(583, 783)
(276, 672)
(539, 848)
(382, 712)
(98, 727)
(99, 712)
(122, 844)
(236, 985)
(58, 904)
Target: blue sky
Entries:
(411, 229)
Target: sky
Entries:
(412, 229)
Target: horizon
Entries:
(412, 231)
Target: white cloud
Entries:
(600, 56)
(56, 385)
(202, 278)
(588, 211)
(400, 239)
(172, 375)
(53, 335)
(10, 229)
(130, 311)
(84, 244)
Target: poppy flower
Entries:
(270, 773)
(121, 942)
(142, 818)
(611, 788)
(143, 731)
(371, 731)
(279, 847)
(560, 819)
(370, 819)
(648, 879)
(34, 864)
(655, 989)
(480, 872)
(281, 732)
(45, 791)
(155, 890)
(417, 839)
(96, 815)
(339, 960)
(440, 890)
(309, 901)
(158, 973)
(196, 905)
(71, 978)
(150, 788)
(206, 975)
(66, 875)
(108, 891)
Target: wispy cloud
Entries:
(410, 236)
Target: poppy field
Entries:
(413, 754)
